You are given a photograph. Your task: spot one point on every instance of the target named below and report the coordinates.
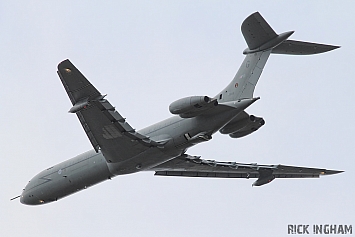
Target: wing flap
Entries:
(204, 174)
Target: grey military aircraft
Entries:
(119, 149)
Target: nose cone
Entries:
(31, 194)
(30, 199)
(34, 192)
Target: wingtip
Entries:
(63, 62)
(334, 47)
(330, 172)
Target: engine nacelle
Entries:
(192, 106)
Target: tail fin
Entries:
(262, 40)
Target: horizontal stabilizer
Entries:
(302, 48)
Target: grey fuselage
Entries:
(90, 168)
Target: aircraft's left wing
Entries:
(194, 166)
(105, 127)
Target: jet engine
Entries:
(192, 106)
(242, 126)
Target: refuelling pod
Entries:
(242, 125)
(237, 123)
(251, 127)
(192, 106)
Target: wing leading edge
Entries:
(194, 166)
(105, 127)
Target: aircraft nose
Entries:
(30, 199)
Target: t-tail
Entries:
(262, 40)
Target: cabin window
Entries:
(220, 96)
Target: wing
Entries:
(105, 127)
(193, 166)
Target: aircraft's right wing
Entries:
(105, 127)
(193, 166)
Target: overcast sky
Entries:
(145, 55)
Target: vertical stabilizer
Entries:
(244, 82)
(256, 31)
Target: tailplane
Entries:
(262, 40)
(295, 47)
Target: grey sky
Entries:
(145, 55)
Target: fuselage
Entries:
(90, 168)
